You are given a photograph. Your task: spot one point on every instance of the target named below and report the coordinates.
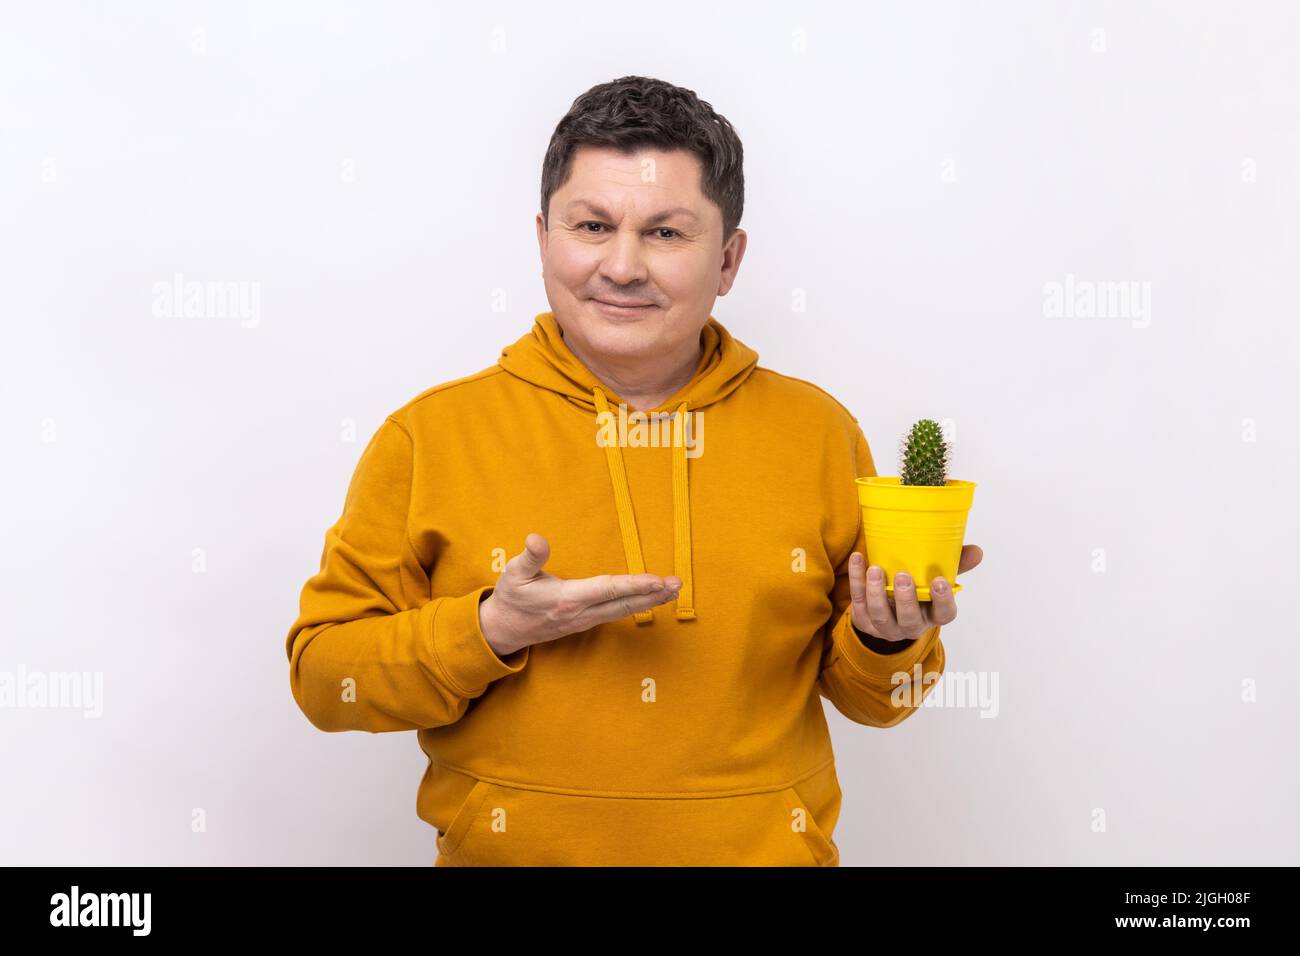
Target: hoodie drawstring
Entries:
(681, 512)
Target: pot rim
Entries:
(894, 481)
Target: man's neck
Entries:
(644, 385)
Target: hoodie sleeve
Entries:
(370, 650)
(856, 679)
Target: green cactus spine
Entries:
(925, 455)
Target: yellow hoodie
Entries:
(690, 734)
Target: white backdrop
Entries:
(919, 175)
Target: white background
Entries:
(916, 172)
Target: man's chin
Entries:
(620, 338)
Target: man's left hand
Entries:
(907, 618)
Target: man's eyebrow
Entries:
(657, 218)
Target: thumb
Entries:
(535, 554)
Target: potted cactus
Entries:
(916, 521)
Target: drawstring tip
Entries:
(685, 614)
(643, 617)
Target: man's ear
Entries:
(541, 237)
(732, 253)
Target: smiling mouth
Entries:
(624, 305)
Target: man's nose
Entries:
(624, 261)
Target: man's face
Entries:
(634, 229)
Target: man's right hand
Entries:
(528, 606)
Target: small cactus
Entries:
(925, 455)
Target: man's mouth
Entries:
(623, 308)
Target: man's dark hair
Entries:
(636, 111)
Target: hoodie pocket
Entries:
(801, 819)
(448, 841)
(499, 825)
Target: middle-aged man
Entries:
(578, 706)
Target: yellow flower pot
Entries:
(915, 528)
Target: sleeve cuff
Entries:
(462, 652)
(881, 667)
(879, 644)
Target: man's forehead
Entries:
(598, 207)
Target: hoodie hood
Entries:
(542, 358)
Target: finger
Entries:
(943, 604)
(621, 607)
(878, 609)
(528, 563)
(911, 622)
(604, 588)
(858, 591)
(971, 555)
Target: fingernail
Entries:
(657, 586)
(876, 575)
(939, 585)
(902, 580)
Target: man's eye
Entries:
(600, 225)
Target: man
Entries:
(578, 706)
